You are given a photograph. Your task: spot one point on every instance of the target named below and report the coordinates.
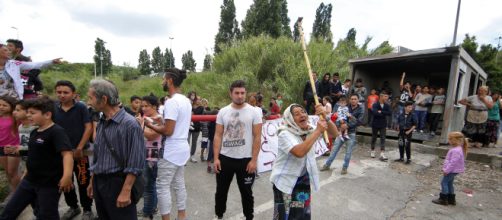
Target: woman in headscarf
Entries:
(295, 168)
(477, 116)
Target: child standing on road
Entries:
(454, 164)
(372, 99)
(407, 123)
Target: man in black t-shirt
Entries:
(74, 117)
(48, 167)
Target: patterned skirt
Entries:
(474, 131)
(491, 131)
(295, 206)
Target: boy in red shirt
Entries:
(372, 99)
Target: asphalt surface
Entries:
(372, 189)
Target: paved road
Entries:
(372, 190)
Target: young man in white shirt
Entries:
(236, 146)
(171, 167)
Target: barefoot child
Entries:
(453, 165)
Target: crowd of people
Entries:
(120, 154)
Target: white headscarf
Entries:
(289, 124)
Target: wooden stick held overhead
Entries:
(311, 78)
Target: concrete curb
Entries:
(495, 161)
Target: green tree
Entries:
(268, 17)
(383, 48)
(144, 64)
(157, 60)
(286, 30)
(486, 56)
(207, 62)
(470, 46)
(188, 61)
(321, 29)
(102, 56)
(168, 59)
(228, 30)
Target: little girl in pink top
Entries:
(454, 164)
(8, 137)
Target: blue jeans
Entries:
(447, 184)
(336, 147)
(150, 194)
(421, 116)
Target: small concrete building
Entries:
(451, 68)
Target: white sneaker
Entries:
(383, 157)
(193, 160)
(372, 154)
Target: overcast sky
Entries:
(64, 28)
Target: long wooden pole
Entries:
(311, 78)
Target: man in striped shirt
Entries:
(123, 133)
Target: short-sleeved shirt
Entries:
(438, 108)
(405, 97)
(494, 112)
(477, 104)
(237, 141)
(372, 99)
(8, 137)
(73, 121)
(153, 147)
(45, 163)
(342, 113)
(424, 99)
(24, 135)
(176, 148)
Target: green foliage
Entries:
(269, 65)
(286, 30)
(207, 62)
(321, 30)
(470, 46)
(277, 65)
(228, 30)
(144, 64)
(188, 61)
(168, 59)
(79, 73)
(102, 56)
(157, 60)
(486, 57)
(268, 17)
(383, 48)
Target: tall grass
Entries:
(268, 65)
